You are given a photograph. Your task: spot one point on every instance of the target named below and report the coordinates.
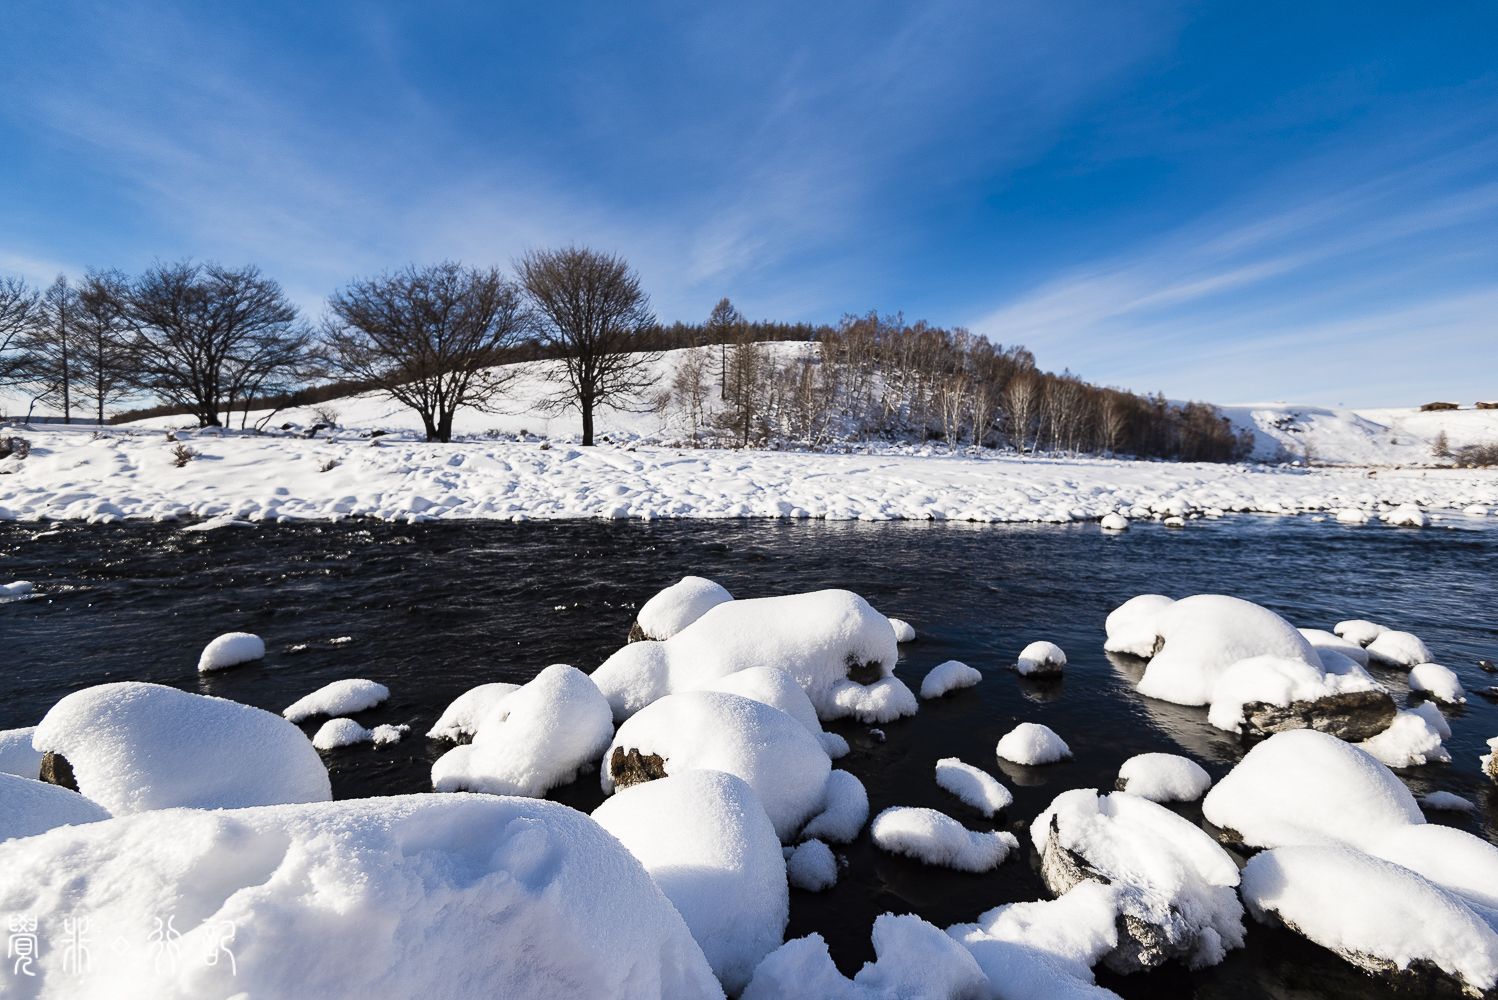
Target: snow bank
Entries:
(679, 605)
(904, 631)
(136, 747)
(1040, 659)
(1441, 683)
(1282, 681)
(706, 841)
(338, 698)
(841, 651)
(461, 719)
(346, 732)
(402, 896)
(844, 810)
(1131, 626)
(1204, 635)
(811, 866)
(935, 838)
(781, 761)
(1377, 915)
(1171, 878)
(1163, 777)
(1411, 740)
(779, 689)
(1359, 630)
(1398, 649)
(29, 807)
(230, 649)
(17, 756)
(972, 785)
(538, 737)
(1032, 743)
(949, 676)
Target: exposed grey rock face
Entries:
(633, 767)
(1354, 716)
(637, 634)
(57, 771)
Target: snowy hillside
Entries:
(1398, 436)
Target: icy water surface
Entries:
(434, 609)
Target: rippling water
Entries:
(434, 609)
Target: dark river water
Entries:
(437, 608)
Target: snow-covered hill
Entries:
(1387, 437)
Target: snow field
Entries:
(1163, 777)
(679, 605)
(137, 747)
(705, 840)
(229, 650)
(1032, 743)
(973, 786)
(934, 838)
(338, 698)
(953, 675)
(1040, 659)
(29, 807)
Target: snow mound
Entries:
(811, 867)
(1204, 635)
(1032, 743)
(1441, 683)
(841, 651)
(1172, 879)
(29, 807)
(1411, 740)
(1114, 521)
(904, 631)
(400, 896)
(1323, 641)
(679, 605)
(1398, 649)
(338, 698)
(1380, 916)
(781, 761)
(1432, 715)
(845, 809)
(1352, 515)
(461, 719)
(230, 649)
(17, 755)
(346, 732)
(1407, 515)
(1446, 802)
(1283, 682)
(1359, 630)
(972, 785)
(1131, 626)
(949, 676)
(779, 689)
(1040, 658)
(538, 737)
(1163, 777)
(706, 841)
(935, 838)
(135, 747)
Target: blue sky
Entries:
(1222, 201)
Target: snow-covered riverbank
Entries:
(71, 473)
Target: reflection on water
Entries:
(435, 609)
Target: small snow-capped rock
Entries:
(904, 631)
(461, 719)
(1040, 659)
(935, 838)
(811, 867)
(973, 786)
(1114, 522)
(1446, 802)
(345, 697)
(1359, 630)
(1032, 743)
(229, 650)
(678, 606)
(1440, 683)
(346, 732)
(1398, 649)
(1163, 777)
(950, 676)
(1131, 627)
(1407, 515)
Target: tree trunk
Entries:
(445, 426)
(431, 428)
(587, 408)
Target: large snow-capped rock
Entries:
(779, 689)
(706, 841)
(402, 896)
(534, 739)
(1130, 627)
(1173, 885)
(135, 747)
(1198, 638)
(29, 807)
(840, 650)
(1272, 694)
(676, 607)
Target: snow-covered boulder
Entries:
(676, 607)
(1131, 626)
(1200, 637)
(29, 807)
(229, 650)
(135, 747)
(1380, 916)
(346, 732)
(17, 756)
(1173, 885)
(781, 761)
(344, 697)
(1041, 659)
(1440, 683)
(973, 786)
(1398, 649)
(1032, 743)
(779, 689)
(1359, 630)
(1446, 802)
(811, 866)
(1163, 777)
(1407, 515)
(460, 720)
(953, 675)
(706, 841)
(1323, 641)
(400, 896)
(1411, 740)
(1114, 521)
(1352, 515)
(904, 631)
(540, 736)
(1272, 694)
(934, 838)
(841, 651)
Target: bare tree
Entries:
(51, 348)
(1113, 419)
(192, 326)
(951, 400)
(103, 356)
(19, 305)
(430, 337)
(1022, 399)
(689, 386)
(590, 310)
(984, 403)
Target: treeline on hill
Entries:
(206, 340)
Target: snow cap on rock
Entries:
(1131, 625)
(1398, 649)
(1032, 743)
(1206, 634)
(344, 697)
(953, 675)
(937, 839)
(230, 649)
(1163, 777)
(462, 717)
(679, 605)
(1040, 658)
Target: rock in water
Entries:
(1354, 716)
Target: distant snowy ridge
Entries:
(1377, 437)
